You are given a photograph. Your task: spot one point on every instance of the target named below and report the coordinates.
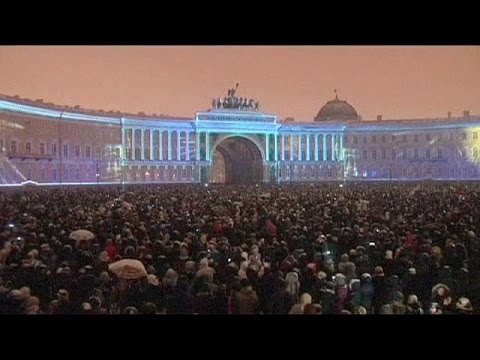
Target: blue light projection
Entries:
(171, 150)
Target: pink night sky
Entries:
(291, 81)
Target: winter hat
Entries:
(360, 310)
(321, 275)
(26, 292)
(340, 279)
(305, 299)
(464, 304)
(152, 280)
(412, 299)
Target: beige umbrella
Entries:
(80, 235)
(128, 269)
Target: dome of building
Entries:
(337, 110)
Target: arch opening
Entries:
(237, 160)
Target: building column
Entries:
(187, 141)
(151, 145)
(342, 155)
(299, 138)
(267, 148)
(179, 145)
(333, 147)
(197, 146)
(124, 142)
(207, 146)
(133, 144)
(283, 147)
(169, 145)
(276, 147)
(291, 146)
(316, 147)
(160, 145)
(324, 155)
(142, 144)
(308, 147)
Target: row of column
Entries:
(154, 143)
(164, 144)
(326, 147)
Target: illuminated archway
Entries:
(237, 160)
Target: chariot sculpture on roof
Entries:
(233, 102)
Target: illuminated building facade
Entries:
(233, 142)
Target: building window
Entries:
(87, 152)
(475, 135)
(13, 147)
(475, 152)
(365, 154)
(427, 137)
(184, 174)
(117, 153)
(404, 138)
(464, 136)
(428, 171)
(1, 144)
(54, 174)
(439, 171)
(440, 153)
(383, 139)
(415, 138)
(77, 151)
(393, 138)
(394, 155)
(415, 153)
(65, 150)
(355, 140)
(42, 174)
(384, 154)
(374, 154)
(98, 152)
(29, 173)
(54, 149)
(374, 138)
(404, 154)
(28, 148)
(42, 149)
(427, 153)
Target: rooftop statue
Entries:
(233, 102)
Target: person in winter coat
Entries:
(413, 306)
(366, 293)
(245, 299)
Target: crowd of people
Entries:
(296, 249)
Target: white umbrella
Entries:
(128, 269)
(81, 235)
